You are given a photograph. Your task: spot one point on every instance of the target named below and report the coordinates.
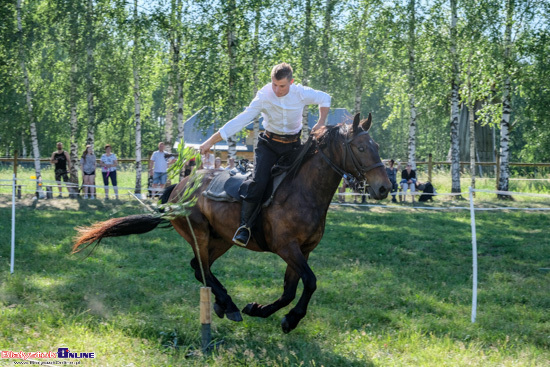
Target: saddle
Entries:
(228, 185)
(225, 186)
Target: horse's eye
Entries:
(361, 149)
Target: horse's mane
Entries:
(322, 138)
(329, 135)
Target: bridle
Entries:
(351, 179)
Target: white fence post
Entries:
(12, 225)
(474, 255)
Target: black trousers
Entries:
(267, 153)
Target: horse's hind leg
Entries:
(223, 305)
(291, 284)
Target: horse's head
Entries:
(364, 161)
(357, 156)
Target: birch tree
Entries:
(90, 67)
(455, 149)
(29, 99)
(306, 55)
(471, 119)
(137, 102)
(231, 48)
(411, 146)
(506, 103)
(178, 28)
(255, 71)
(73, 41)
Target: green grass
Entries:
(394, 289)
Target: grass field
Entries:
(394, 289)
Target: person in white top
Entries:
(281, 104)
(208, 161)
(158, 169)
(108, 170)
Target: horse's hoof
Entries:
(249, 308)
(286, 326)
(234, 316)
(219, 310)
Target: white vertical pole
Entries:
(474, 255)
(12, 225)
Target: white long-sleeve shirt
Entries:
(282, 115)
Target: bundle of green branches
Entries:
(186, 198)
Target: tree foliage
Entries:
(356, 50)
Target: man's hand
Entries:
(317, 126)
(205, 147)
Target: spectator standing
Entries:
(88, 166)
(108, 170)
(158, 169)
(62, 162)
(391, 171)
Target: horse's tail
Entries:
(116, 227)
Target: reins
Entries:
(350, 178)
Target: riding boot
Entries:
(242, 236)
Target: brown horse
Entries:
(292, 225)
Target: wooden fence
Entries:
(430, 163)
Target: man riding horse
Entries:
(281, 104)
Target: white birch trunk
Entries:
(455, 148)
(306, 54)
(256, 121)
(231, 48)
(503, 183)
(232, 147)
(169, 120)
(89, 74)
(180, 106)
(329, 7)
(32, 124)
(23, 146)
(411, 146)
(137, 104)
(471, 120)
(472, 146)
(73, 152)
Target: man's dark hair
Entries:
(282, 71)
(107, 146)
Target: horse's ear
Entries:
(366, 123)
(356, 120)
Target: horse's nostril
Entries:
(382, 190)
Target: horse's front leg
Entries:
(290, 285)
(298, 262)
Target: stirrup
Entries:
(237, 241)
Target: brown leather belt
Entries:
(282, 138)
